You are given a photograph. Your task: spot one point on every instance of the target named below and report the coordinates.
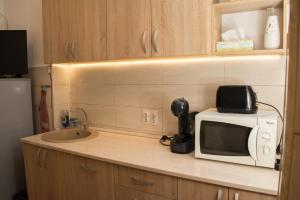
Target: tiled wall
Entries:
(115, 93)
(39, 77)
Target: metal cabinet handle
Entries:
(44, 158)
(135, 180)
(67, 47)
(236, 196)
(72, 51)
(219, 196)
(38, 157)
(144, 41)
(88, 168)
(154, 40)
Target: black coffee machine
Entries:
(184, 141)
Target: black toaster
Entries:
(236, 99)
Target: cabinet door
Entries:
(190, 190)
(56, 29)
(244, 195)
(86, 179)
(88, 28)
(128, 29)
(74, 30)
(181, 27)
(42, 178)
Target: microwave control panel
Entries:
(266, 142)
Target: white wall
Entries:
(27, 15)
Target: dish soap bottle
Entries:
(272, 31)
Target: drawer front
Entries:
(245, 195)
(123, 193)
(148, 182)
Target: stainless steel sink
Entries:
(68, 135)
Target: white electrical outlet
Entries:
(150, 117)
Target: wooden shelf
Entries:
(246, 5)
(253, 52)
(238, 6)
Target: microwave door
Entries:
(224, 139)
(252, 143)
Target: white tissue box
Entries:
(241, 45)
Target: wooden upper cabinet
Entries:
(74, 30)
(190, 190)
(56, 29)
(95, 30)
(90, 30)
(128, 29)
(181, 27)
(245, 195)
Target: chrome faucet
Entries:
(83, 124)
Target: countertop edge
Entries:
(155, 170)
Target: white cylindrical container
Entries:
(272, 33)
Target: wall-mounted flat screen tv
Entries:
(13, 52)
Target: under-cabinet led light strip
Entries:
(167, 61)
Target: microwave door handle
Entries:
(252, 142)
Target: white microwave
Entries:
(248, 139)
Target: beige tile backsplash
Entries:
(271, 72)
(139, 74)
(186, 73)
(115, 93)
(143, 96)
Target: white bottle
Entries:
(272, 32)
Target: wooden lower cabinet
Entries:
(54, 175)
(123, 193)
(152, 183)
(190, 190)
(85, 179)
(245, 195)
(42, 167)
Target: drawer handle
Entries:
(135, 180)
(236, 196)
(219, 196)
(88, 168)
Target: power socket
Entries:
(150, 117)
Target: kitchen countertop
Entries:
(148, 154)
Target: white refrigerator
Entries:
(15, 122)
